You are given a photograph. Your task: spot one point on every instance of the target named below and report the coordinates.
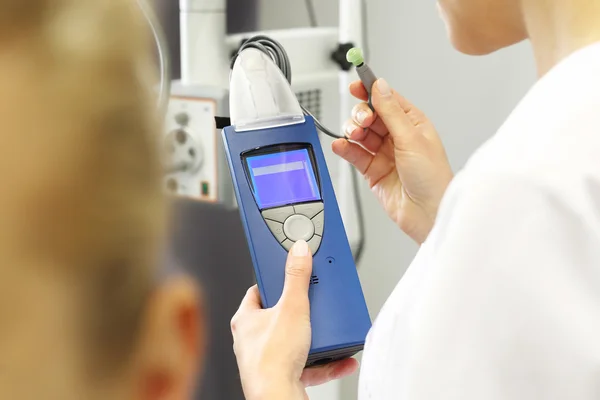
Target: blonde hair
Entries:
(89, 199)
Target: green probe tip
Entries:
(355, 56)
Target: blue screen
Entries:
(284, 178)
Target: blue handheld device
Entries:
(285, 194)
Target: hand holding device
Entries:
(400, 154)
(272, 345)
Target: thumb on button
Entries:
(298, 271)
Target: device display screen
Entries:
(283, 178)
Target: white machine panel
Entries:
(191, 148)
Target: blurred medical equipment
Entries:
(197, 167)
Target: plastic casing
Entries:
(261, 96)
(339, 315)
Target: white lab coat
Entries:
(503, 300)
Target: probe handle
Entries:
(368, 79)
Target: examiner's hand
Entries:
(401, 156)
(272, 345)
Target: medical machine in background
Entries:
(197, 167)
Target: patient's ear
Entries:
(172, 342)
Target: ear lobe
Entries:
(156, 386)
(188, 319)
(191, 317)
(173, 340)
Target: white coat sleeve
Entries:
(512, 308)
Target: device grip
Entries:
(368, 79)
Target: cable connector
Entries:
(222, 122)
(339, 56)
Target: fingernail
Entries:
(350, 128)
(300, 249)
(361, 117)
(384, 88)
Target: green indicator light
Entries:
(205, 189)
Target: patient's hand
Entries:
(272, 345)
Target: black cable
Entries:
(275, 50)
(312, 14)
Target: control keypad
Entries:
(300, 222)
(279, 214)
(298, 227)
(277, 230)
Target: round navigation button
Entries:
(298, 227)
